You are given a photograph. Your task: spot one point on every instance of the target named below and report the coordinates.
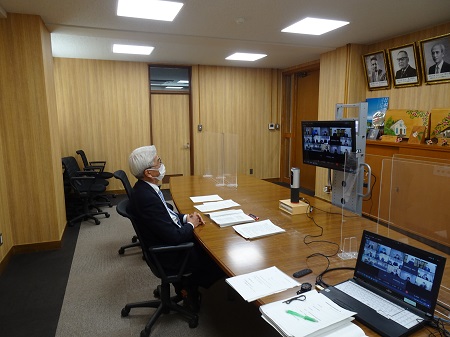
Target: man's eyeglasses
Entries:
(402, 58)
(158, 162)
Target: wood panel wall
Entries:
(103, 109)
(241, 101)
(29, 137)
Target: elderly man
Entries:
(440, 66)
(160, 225)
(405, 70)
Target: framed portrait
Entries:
(435, 55)
(375, 68)
(372, 134)
(404, 65)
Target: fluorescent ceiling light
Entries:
(183, 81)
(245, 57)
(312, 26)
(174, 87)
(149, 9)
(129, 49)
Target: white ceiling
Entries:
(207, 31)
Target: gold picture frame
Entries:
(376, 70)
(404, 66)
(436, 49)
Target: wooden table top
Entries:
(310, 241)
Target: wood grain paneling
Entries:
(103, 109)
(30, 134)
(238, 101)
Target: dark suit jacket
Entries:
(409, 72)
(155, 224)
(445, 68)
(157, 228)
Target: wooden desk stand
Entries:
(293, 208)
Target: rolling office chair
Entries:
(102, 175)
(165, 303)
(86, 188)
(122, 176)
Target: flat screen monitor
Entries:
(325, 144)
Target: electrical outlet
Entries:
(1, 239)
(251, 171)
(271, 126)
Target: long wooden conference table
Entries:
(311, 240)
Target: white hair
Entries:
(140, 159)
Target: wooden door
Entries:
(306, 108)
(170, 132)
(300, 102)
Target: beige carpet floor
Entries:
(101, 282)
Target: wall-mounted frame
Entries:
(404, 66)
(435, 52)
(375, 68)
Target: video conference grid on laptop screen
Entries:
(408, 276)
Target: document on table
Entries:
(216, 205)
(230, 217)
(316, 316)
(261, 283)
(257, 229)
(204, 198)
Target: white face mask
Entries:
(162, 172)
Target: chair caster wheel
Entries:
(134, 239)
(144, 333)
(107, 215)
(125, 312)
(156, 293)
(193, 323)
(121, 251)
(97, 222)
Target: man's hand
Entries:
(195, 219)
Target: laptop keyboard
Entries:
(380, 304)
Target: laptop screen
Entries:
(408, 273)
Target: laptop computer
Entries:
(405, 276)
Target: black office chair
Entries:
(101, 174)
(86, 187)
(122, 176)
(166, 303)
(98, 166)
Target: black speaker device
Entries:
(295, 185)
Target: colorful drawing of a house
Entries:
(399, 128)
(445, 133)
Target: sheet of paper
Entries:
(230, 217)
(258, 229)
(205, 198)
(329, 316)
(216, 205)
(261, 283)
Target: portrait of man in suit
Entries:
(406, 70)
(376, 74)
(438, 55)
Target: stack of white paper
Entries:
(261, 283)
(230, 217)
(216, 205)
(204, 198)
(258, 229)
(315, 316)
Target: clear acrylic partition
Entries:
(221, 158)
(347, 187)
(413, 207)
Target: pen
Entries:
(293, 313)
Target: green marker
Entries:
(307, 318)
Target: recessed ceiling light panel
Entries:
(245, 57)
(130, 49)
(149, 9)
(313, 26)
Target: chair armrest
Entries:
(98, 164)
(156, 266)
